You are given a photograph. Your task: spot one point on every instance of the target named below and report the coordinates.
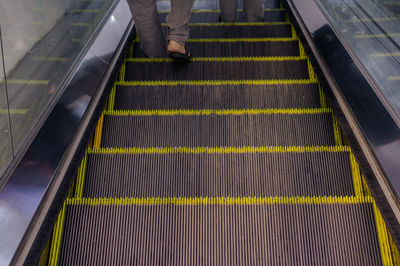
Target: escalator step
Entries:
(213, 234)
(214, 4)
(213, 16)
(246, 30)
(217, 96)
(216, 69)
(237, 48)
(213, 130)
(218, 175)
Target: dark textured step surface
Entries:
(217, 70)
(228, 49)
(214, 4)
(218, 130)
(218, 175)
(213, 16)
(217, 97)
(276, 234)
(283, 30)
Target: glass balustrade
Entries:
(41, 41)
(372, 30)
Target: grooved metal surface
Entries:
(217, 70)
(218, 130)
(218, 175)
(253, 31)
(212, 16)
(276, 234)
(217, 97)
(237, 48)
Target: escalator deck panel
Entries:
(237, 48)
(212, 234)
(147, 69)
(218, 175)
(217, 130)
(241, 96)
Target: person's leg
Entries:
(178, 20)
(148, 27)
(228, 11)
(253, 10)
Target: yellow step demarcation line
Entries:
(57, 235)
(394, 250)
(266, 39)
(236, 24)
(394, 78)
(220, 200)
(98, 132)
(43, 260)
(215, 82)
(111, 97)
(81, 177)
(217, 10)
(221, 59)
(219, 150)
(13, 111)
(383, 236)
(131, 50)
(337, 131)
(357, 177)
(322, 97)
(218, 112)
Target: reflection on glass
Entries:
(372, 30)
(5, 139)
(42, 39)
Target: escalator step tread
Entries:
(217, 70)
(262, 234)
(237, 48)
(214, 4)
(217, 97)
(262, 30)
(213, 16)
(218, 175)
(218, 130)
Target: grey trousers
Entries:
(153, 42)
(253, 10)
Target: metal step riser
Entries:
(236, 48)
(217, 97)
(218, 130)
(212, 70)
(218, 175)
